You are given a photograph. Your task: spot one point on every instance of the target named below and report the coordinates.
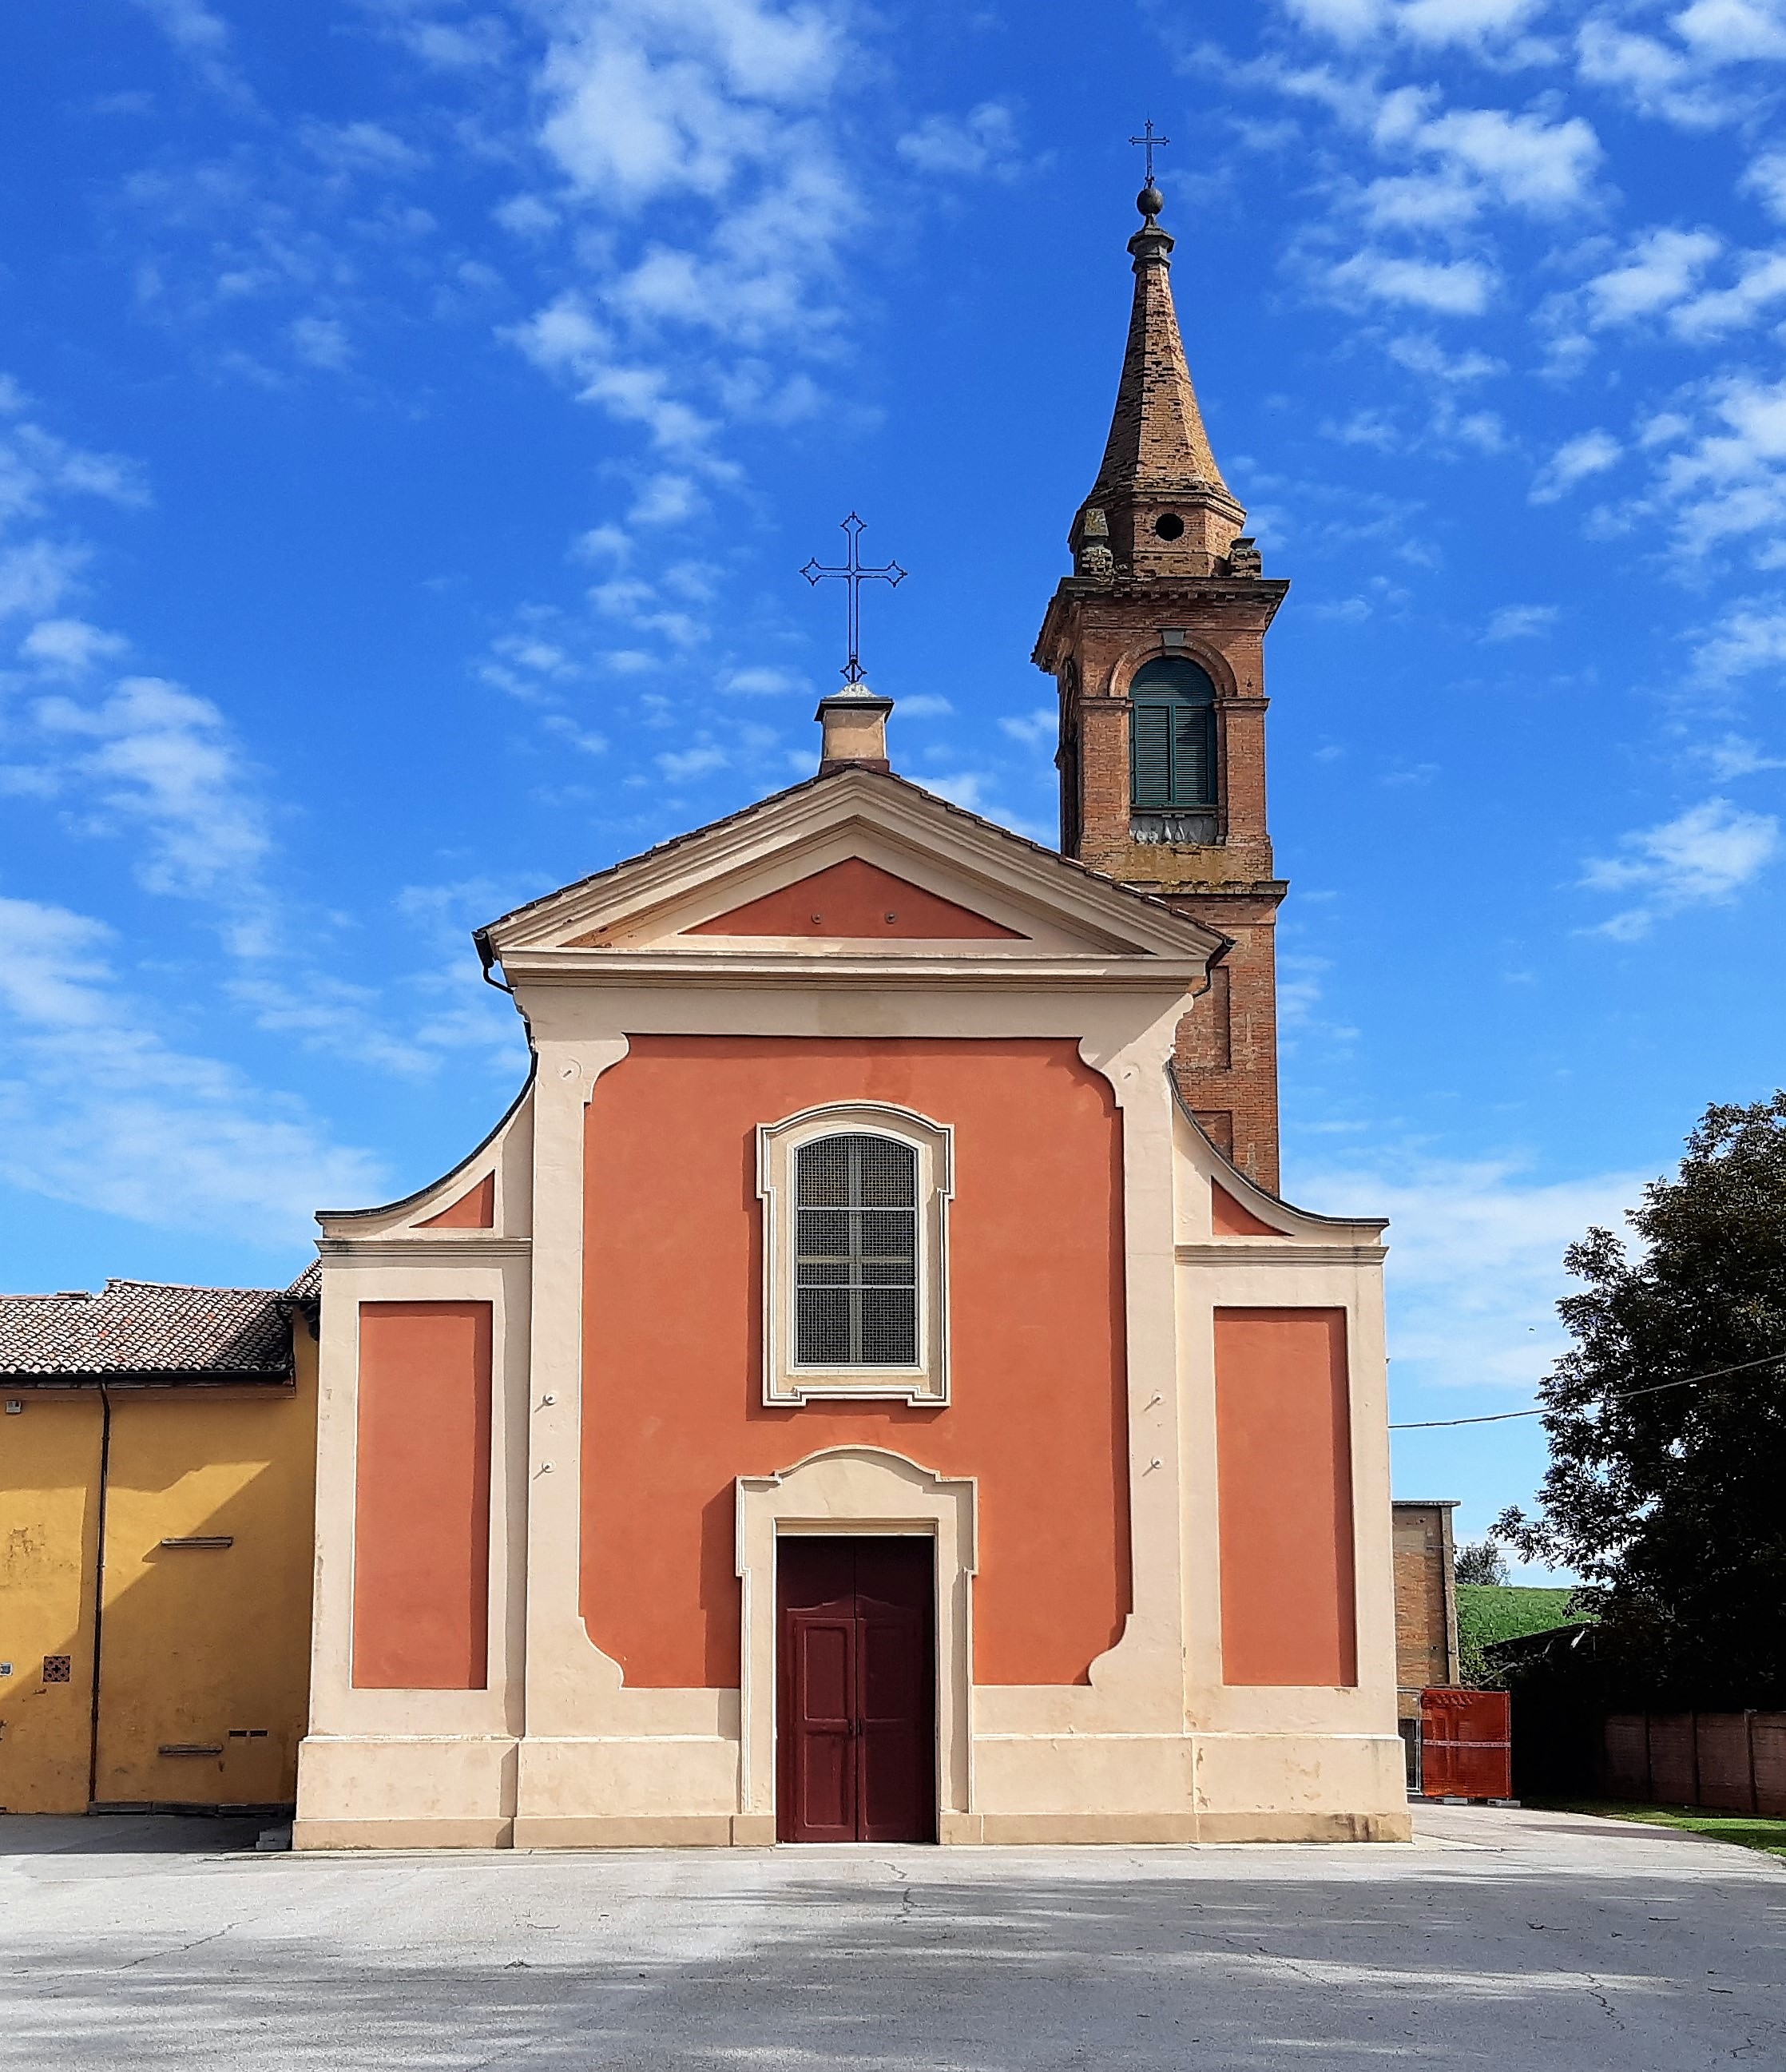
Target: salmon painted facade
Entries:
(868, 1386)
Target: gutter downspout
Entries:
(487, 956)
(98, 1588)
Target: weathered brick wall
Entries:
(1426, 1614)
(1097, 635)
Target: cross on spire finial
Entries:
(854, 575)
(1150, 143)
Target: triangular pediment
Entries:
(815, 872)
(857, 901)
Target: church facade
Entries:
(868, 1386)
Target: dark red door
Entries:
(856, 1710)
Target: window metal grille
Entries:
(855, 1252)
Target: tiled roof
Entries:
(135, 1330)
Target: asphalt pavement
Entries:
(1522, 1942)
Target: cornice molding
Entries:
(468, 1248)
(1286, 1251)
(804, 972)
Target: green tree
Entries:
(1479, 1561)
(1671, 1506)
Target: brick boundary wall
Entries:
(1730, 1762)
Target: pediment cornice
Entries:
(1062, 913)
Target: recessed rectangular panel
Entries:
(1284, 1467)
(824, 1708)
(897, 1728)
(421, 1497)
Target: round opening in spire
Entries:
(1169, 525)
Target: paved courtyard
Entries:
(1523, 1941)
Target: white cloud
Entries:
(1526, 162)
(1661, 269)
(1475, 1266)
(964, 787)
(1588, 454)
(1767, 178)
(646, 98)
(1761, 284)
(321, 342)
(679, 765)
(926, 705)
(36, 466)
(37, 575)
(1520, 622)
(983, 139)
(1455, 287)
(1703, 856)
(98, 1110)
(1734, 756)
(201, 37)
(1034, 729)
(564, 337)
(69, 647)
(1730, 480)
(758, 681)
(562, 727)
(695, 147)
(473, 42)
(1427, 22)
(189, 24)
(360, 147)
(527, 215)
(1464, 21)
(1752, 638)
(1686, 80)
(1421, 354)
(153, 755)
(329, 1014)
(1732, 31)
(667, 499)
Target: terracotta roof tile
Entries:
(133, 1330)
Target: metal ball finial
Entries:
(1151, 201)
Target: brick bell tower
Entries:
(1156, 641)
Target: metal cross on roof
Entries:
(854, 575)
(1151, 143)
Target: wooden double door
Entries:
(856, 1704)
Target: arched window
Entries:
(1173, 781)
(855, 1252)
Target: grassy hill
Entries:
(1504, 1611)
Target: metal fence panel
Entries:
(1466, 1744)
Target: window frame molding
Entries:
(927, 1380)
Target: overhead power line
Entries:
(1623, 1395)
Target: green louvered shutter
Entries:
(1193, 756)
(1150, 755)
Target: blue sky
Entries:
(415, 415)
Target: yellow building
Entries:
(158, 1469)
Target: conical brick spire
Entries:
(1156, 644)
(1165, 506)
